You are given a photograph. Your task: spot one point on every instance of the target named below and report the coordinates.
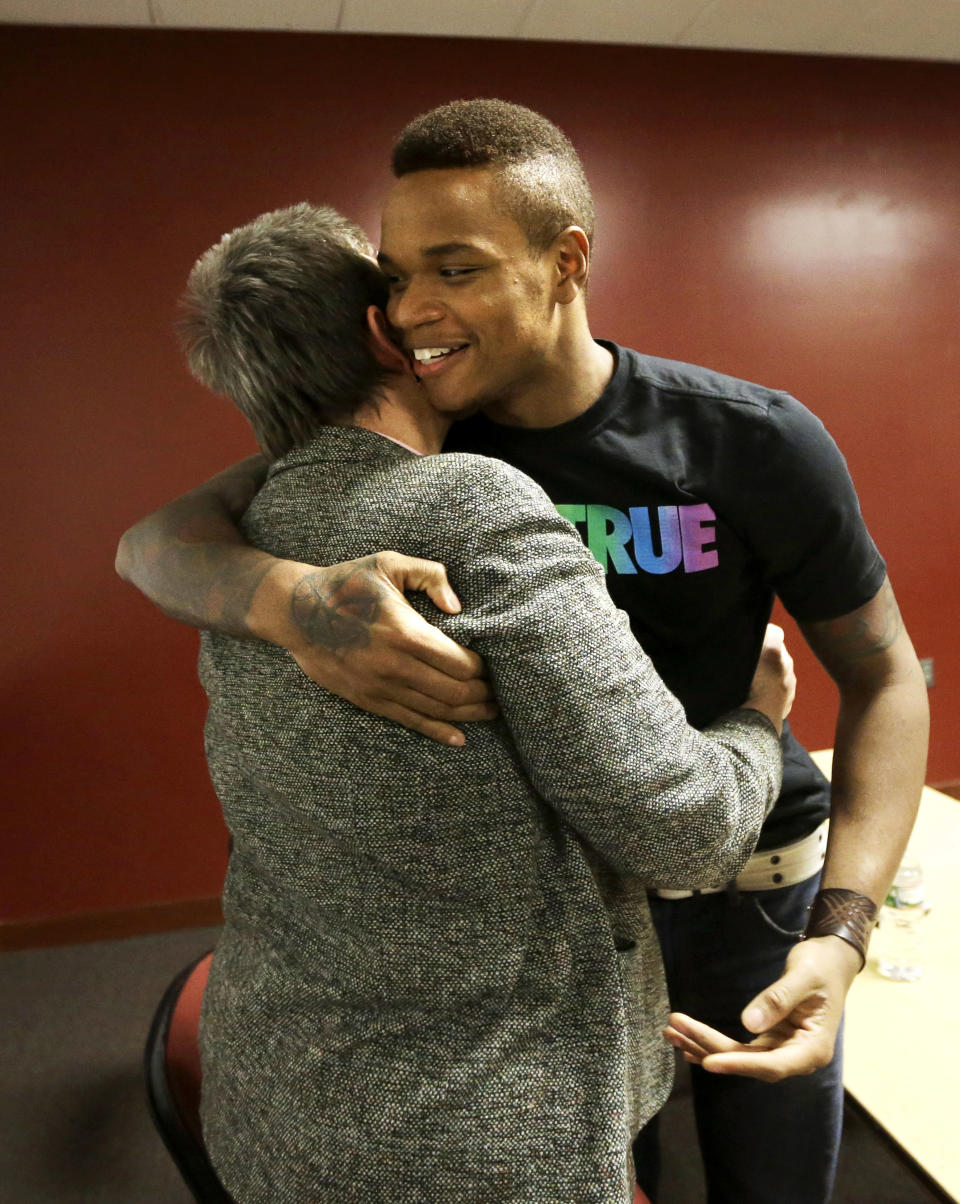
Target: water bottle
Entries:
(901, 945)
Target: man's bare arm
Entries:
(879, 764)
(190, 559)
(349, 626)
(880, 749)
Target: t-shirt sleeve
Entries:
(597, 731)
(804, 518)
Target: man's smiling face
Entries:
(472, 300)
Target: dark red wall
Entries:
(792, 220)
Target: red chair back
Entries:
(173, 1074)
(184, 1074)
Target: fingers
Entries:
(691, 1051)
(796, 1056)
(749, 1065)
(775, 1055)
(791, 690)
(789, 676)
(415, 683)
(778, 1001)
(412, 638)
(433, 729)
(427, 716)
(411, 573)
(789, 682)
(695, 1037)
(372, 680)
(445, 657)
(376, 680)
(718, 1054)
(478, 703)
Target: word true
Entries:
(662, 538)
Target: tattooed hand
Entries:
(351, 630)
(337, 611)
(349, 627)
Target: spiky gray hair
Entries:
(274, 317)
(542, 180)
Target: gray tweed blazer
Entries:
(438, 980)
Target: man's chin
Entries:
(465, 411)
(460, 412)
(454, 408)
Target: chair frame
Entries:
(182, 1145)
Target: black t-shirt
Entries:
(703, 496)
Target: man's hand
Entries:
(351, 630)
(349, 627)
(797, 1018)
(774, 684)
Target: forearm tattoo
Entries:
(864, 636)
(189, 559)
(205, 586)
(337, 613)
(852, 638)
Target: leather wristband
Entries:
(843, 913)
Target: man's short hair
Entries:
(274, 317)
(543, 183)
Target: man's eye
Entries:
(454, 273)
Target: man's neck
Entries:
(404, 414)
(568, 386)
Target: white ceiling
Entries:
(920, 29)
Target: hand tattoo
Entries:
(336, 613)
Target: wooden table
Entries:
(902, 1042)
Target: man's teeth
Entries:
(423, 355)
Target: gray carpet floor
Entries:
(72, 1108)
(72, 1104)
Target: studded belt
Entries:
(773, 868)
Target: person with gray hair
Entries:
(262, 309)
(433, 975)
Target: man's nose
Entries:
(413, 305)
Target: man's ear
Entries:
(572, 262)
(388, 354)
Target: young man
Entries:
(649, 459)
(421, 946)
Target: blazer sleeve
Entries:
(600, 736)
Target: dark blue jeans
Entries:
(762, 1143)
